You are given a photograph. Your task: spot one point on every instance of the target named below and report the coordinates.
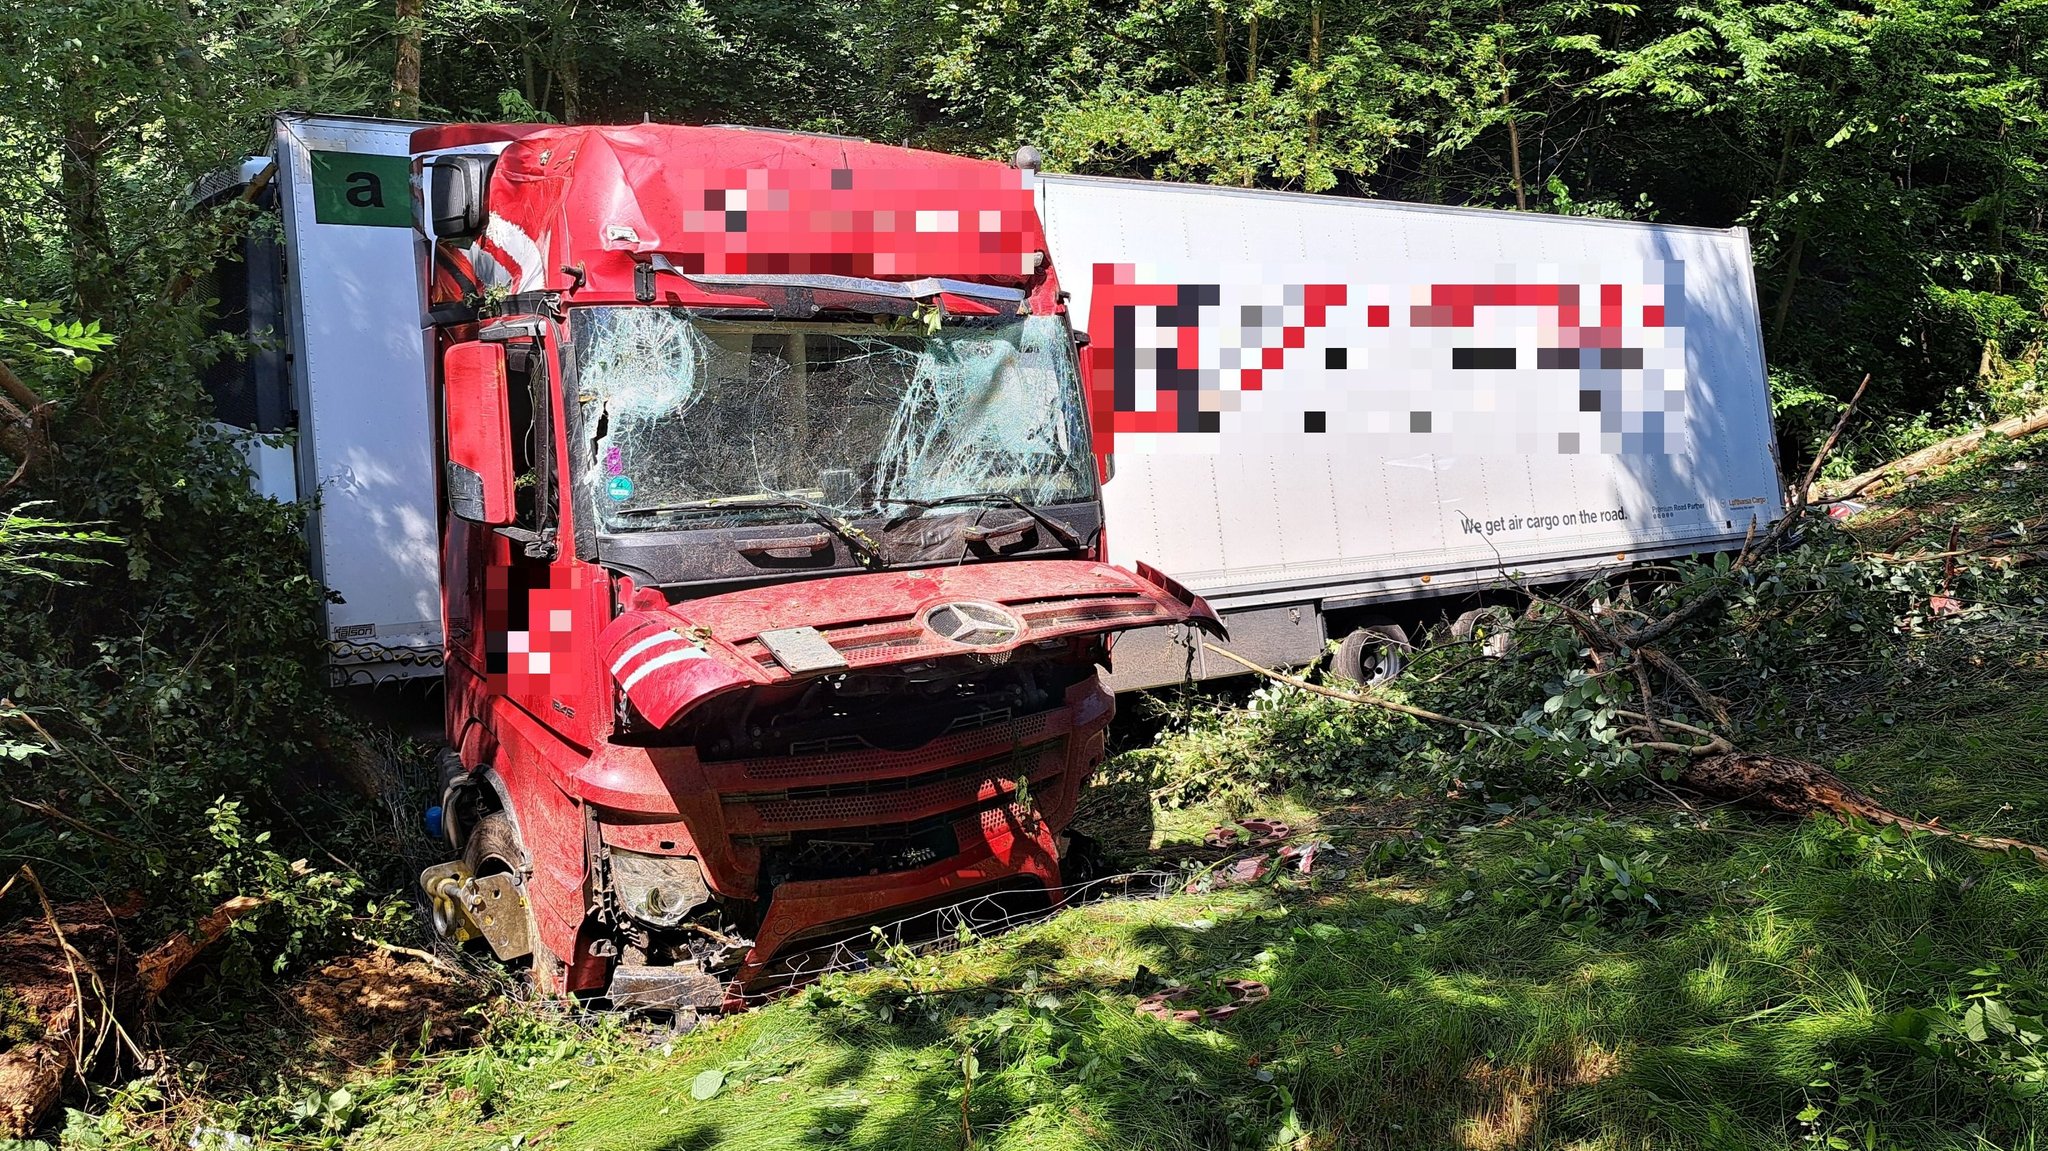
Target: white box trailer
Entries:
(1328, 414)
(335, 397)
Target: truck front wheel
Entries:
(494, 850)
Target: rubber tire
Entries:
(1386, 644)
(1500, 636)
(494, 847)
(1083, 863)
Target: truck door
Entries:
(520, 603)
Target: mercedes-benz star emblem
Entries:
(973, 624)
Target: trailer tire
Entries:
(1372, 654)
(494, 847)
(1494, 628)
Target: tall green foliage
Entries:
(1886, 155)
(157, 696)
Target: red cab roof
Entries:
(739, 200)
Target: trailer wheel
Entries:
(1494, 628)
(494, 849)
(1372, 654)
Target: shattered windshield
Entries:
(677, 411)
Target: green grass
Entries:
(1423, 1001)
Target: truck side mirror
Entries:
(477, 403)
(456, 200)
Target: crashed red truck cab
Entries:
(772, 547)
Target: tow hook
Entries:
(491, 907)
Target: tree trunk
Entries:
(288, 39)
(1515, 160)
(84, 211)
(1935, 455)
(1221, 35)
(1784, 308)
(1315, 59)
(405, 76)
(565, 60)
(572, 96)
(1251, 54)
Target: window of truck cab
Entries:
(681, 412)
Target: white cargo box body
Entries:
(1319, 405)
(361, 391)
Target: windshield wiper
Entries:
(1063, 533)
(863, 546)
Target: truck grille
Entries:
(992, 734)
(885, 848)
(1099, 610)
(868, 801)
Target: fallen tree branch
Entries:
(1351, 697)
(387, 948)
(1713, 768)
(49, 812)
(1935, 455)
(1796, 787)
(162, 963)
(1683, 678)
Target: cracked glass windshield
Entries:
(851, 416)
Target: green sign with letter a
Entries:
(352, 188)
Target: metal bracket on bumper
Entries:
(489, 907)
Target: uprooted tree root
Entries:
(72, 976)
(63, 970)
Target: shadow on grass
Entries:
(1404, 1015)
(1767, 1000)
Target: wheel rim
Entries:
(1379, 663)
(1370, 657)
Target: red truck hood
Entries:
(668, 659)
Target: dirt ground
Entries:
(348, 1015)
(358, 1007)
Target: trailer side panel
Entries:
(1331, 402)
